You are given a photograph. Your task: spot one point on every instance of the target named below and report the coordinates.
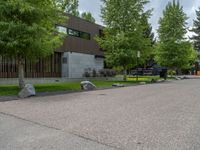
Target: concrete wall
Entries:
(65, 65)
(77, 63)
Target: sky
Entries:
(189, 7)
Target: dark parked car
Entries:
(153, 70)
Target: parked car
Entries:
(150, 71)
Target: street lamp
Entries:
(138, 56)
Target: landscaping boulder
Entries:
(177, 78)
(118, 85)
(184, 77)
(143, 83)
(181, 77)
(27, 91)
(87, 85)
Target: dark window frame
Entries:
(79, 34)
(85, 35)
(73, 30)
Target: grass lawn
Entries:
(6, 90)
(143, 78)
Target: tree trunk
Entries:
(125, 74)
(21, 74)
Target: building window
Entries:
(73, 32)
(85, 35)
(61, 29)
(80, 34)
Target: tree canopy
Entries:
(88, 16)
(70, 6)
(196, 30)
(27, 29)
(148, 34)
(174, 50)
(124, 32)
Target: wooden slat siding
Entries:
(7, 67)
(47, 67)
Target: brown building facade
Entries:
(81, 36)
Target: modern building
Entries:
(78, 53)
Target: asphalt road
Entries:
(148, 117)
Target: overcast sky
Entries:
(189, 6)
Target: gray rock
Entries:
(185, 77)
(27, 91)
(87, 85)
(142, 83)
(118, 85)
(177, 78)
(181, 77)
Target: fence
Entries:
(44, 67)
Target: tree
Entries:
(174, 50)
(88, 16)
(124, 32)
(196, 30)
(148, 34)
(27, 30)
(70, 6)
(196, 37)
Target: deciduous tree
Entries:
(174, 50)
(27, 30)
(124, 32)
(148, 34)
(70, 6)
(196, 30)
(88, 16)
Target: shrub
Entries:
(86, 74)
(107, 73)
(94, 73)
(171, 72)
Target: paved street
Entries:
(162, 116)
